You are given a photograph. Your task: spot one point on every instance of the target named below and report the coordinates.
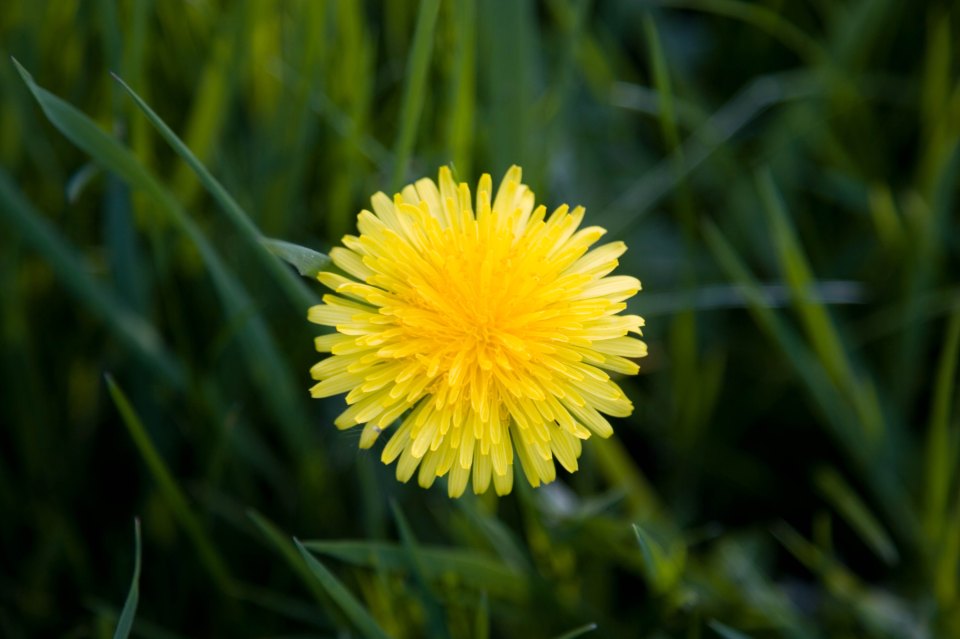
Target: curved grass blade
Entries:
(169, 490)
(281, 541)
(263, 358)
(817, 323)
(836, 412)
(352, 608)
(125, 623)
(294, 288)
(129, 327)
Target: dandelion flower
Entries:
(485, 327)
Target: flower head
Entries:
(486, 326)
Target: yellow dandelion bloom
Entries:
(486, 326)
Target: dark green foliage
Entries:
(785, 174)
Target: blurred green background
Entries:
(784, 172)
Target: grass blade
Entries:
(263, 358)
(294, 288)
(579, 631)
(941, 449)
(836, 412)
(169, 490)
(463, 88)
(125, 623)
(288, 551)
(662, 566)
(435, 613)
(352, 608)
(856, 513)
(817, 323)
(417, 67)
(130, 328)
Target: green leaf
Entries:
(125, 623)
(472, 568)
(354, 610)
(307, 261)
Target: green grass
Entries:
(785, 174)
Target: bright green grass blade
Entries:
(125, 623)
(817, 323)
(212, 98)
(170, 491)
(307, 261)
(468, 567)
(762, 17)
(463, 88)
(941, 448)
(797, 273)
(129, 327)
(507, 37)
(352, 608)
(579, 631)
(416, 89)
(856, 513)
(281, 542)
(838, 415)
(725, 631)
(295, 289)
(263, 358)
(688, 389)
